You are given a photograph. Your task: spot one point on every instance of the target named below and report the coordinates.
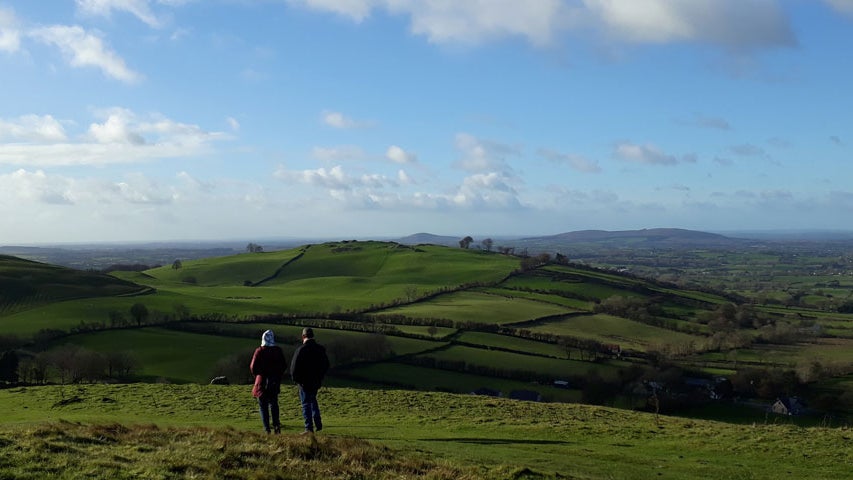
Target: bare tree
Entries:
(139, 312)
(465, 242)
(487, 244)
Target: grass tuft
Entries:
(73, 450)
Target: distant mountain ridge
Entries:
(644, 238)
(651, 236)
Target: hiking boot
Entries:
(277, 429)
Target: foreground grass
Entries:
(184, 431)
(74, 450)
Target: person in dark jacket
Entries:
(268, 366)
(307, 369)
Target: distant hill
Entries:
(645, 238)
(430, 239)
(100, 257)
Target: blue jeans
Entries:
(269, 406)
(310, 410)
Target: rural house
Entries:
(786, 406)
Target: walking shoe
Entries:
(277, 429)
(307, 432)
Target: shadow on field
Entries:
(496, 441)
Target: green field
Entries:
(491, 340)
(478, 308)
(555, 368)
(166, 354)
(421, 378)
(185, 431)
(185, 357)
(609, 329)
(234, 270)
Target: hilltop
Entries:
(125, 431)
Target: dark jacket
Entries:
(309, 365)
(269, 363)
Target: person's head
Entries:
(307, 333)
(268, 339)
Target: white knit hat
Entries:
(268, 339)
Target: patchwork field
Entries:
(447, 319)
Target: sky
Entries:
(164, 120)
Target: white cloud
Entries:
(25, 186)
(83, 49)
(733, 24)
(489, 190)
(121, 137)
(398, 155)
(116, 129)
(333, 179)
(739, 25)
(649, 154)
(479, 155)
(404, 178)
(339, 120)
(34, 189)
(32, 128)
(233, 123)
(10, 34)
(469, 22)
(576, 162)
(476, 21)
(141, 9)
(138, 189)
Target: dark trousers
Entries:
(269, 411)
(310, 410)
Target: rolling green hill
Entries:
(25, 284)
(462, 318)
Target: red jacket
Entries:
(269, 363)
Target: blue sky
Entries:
(141, 120)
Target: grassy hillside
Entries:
(447, 313)
(169, 431)
(26, 284)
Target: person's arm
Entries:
(295, 371)
(252, 365)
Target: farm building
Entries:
(786, 406)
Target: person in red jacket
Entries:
(268, 366)
(307, 369)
